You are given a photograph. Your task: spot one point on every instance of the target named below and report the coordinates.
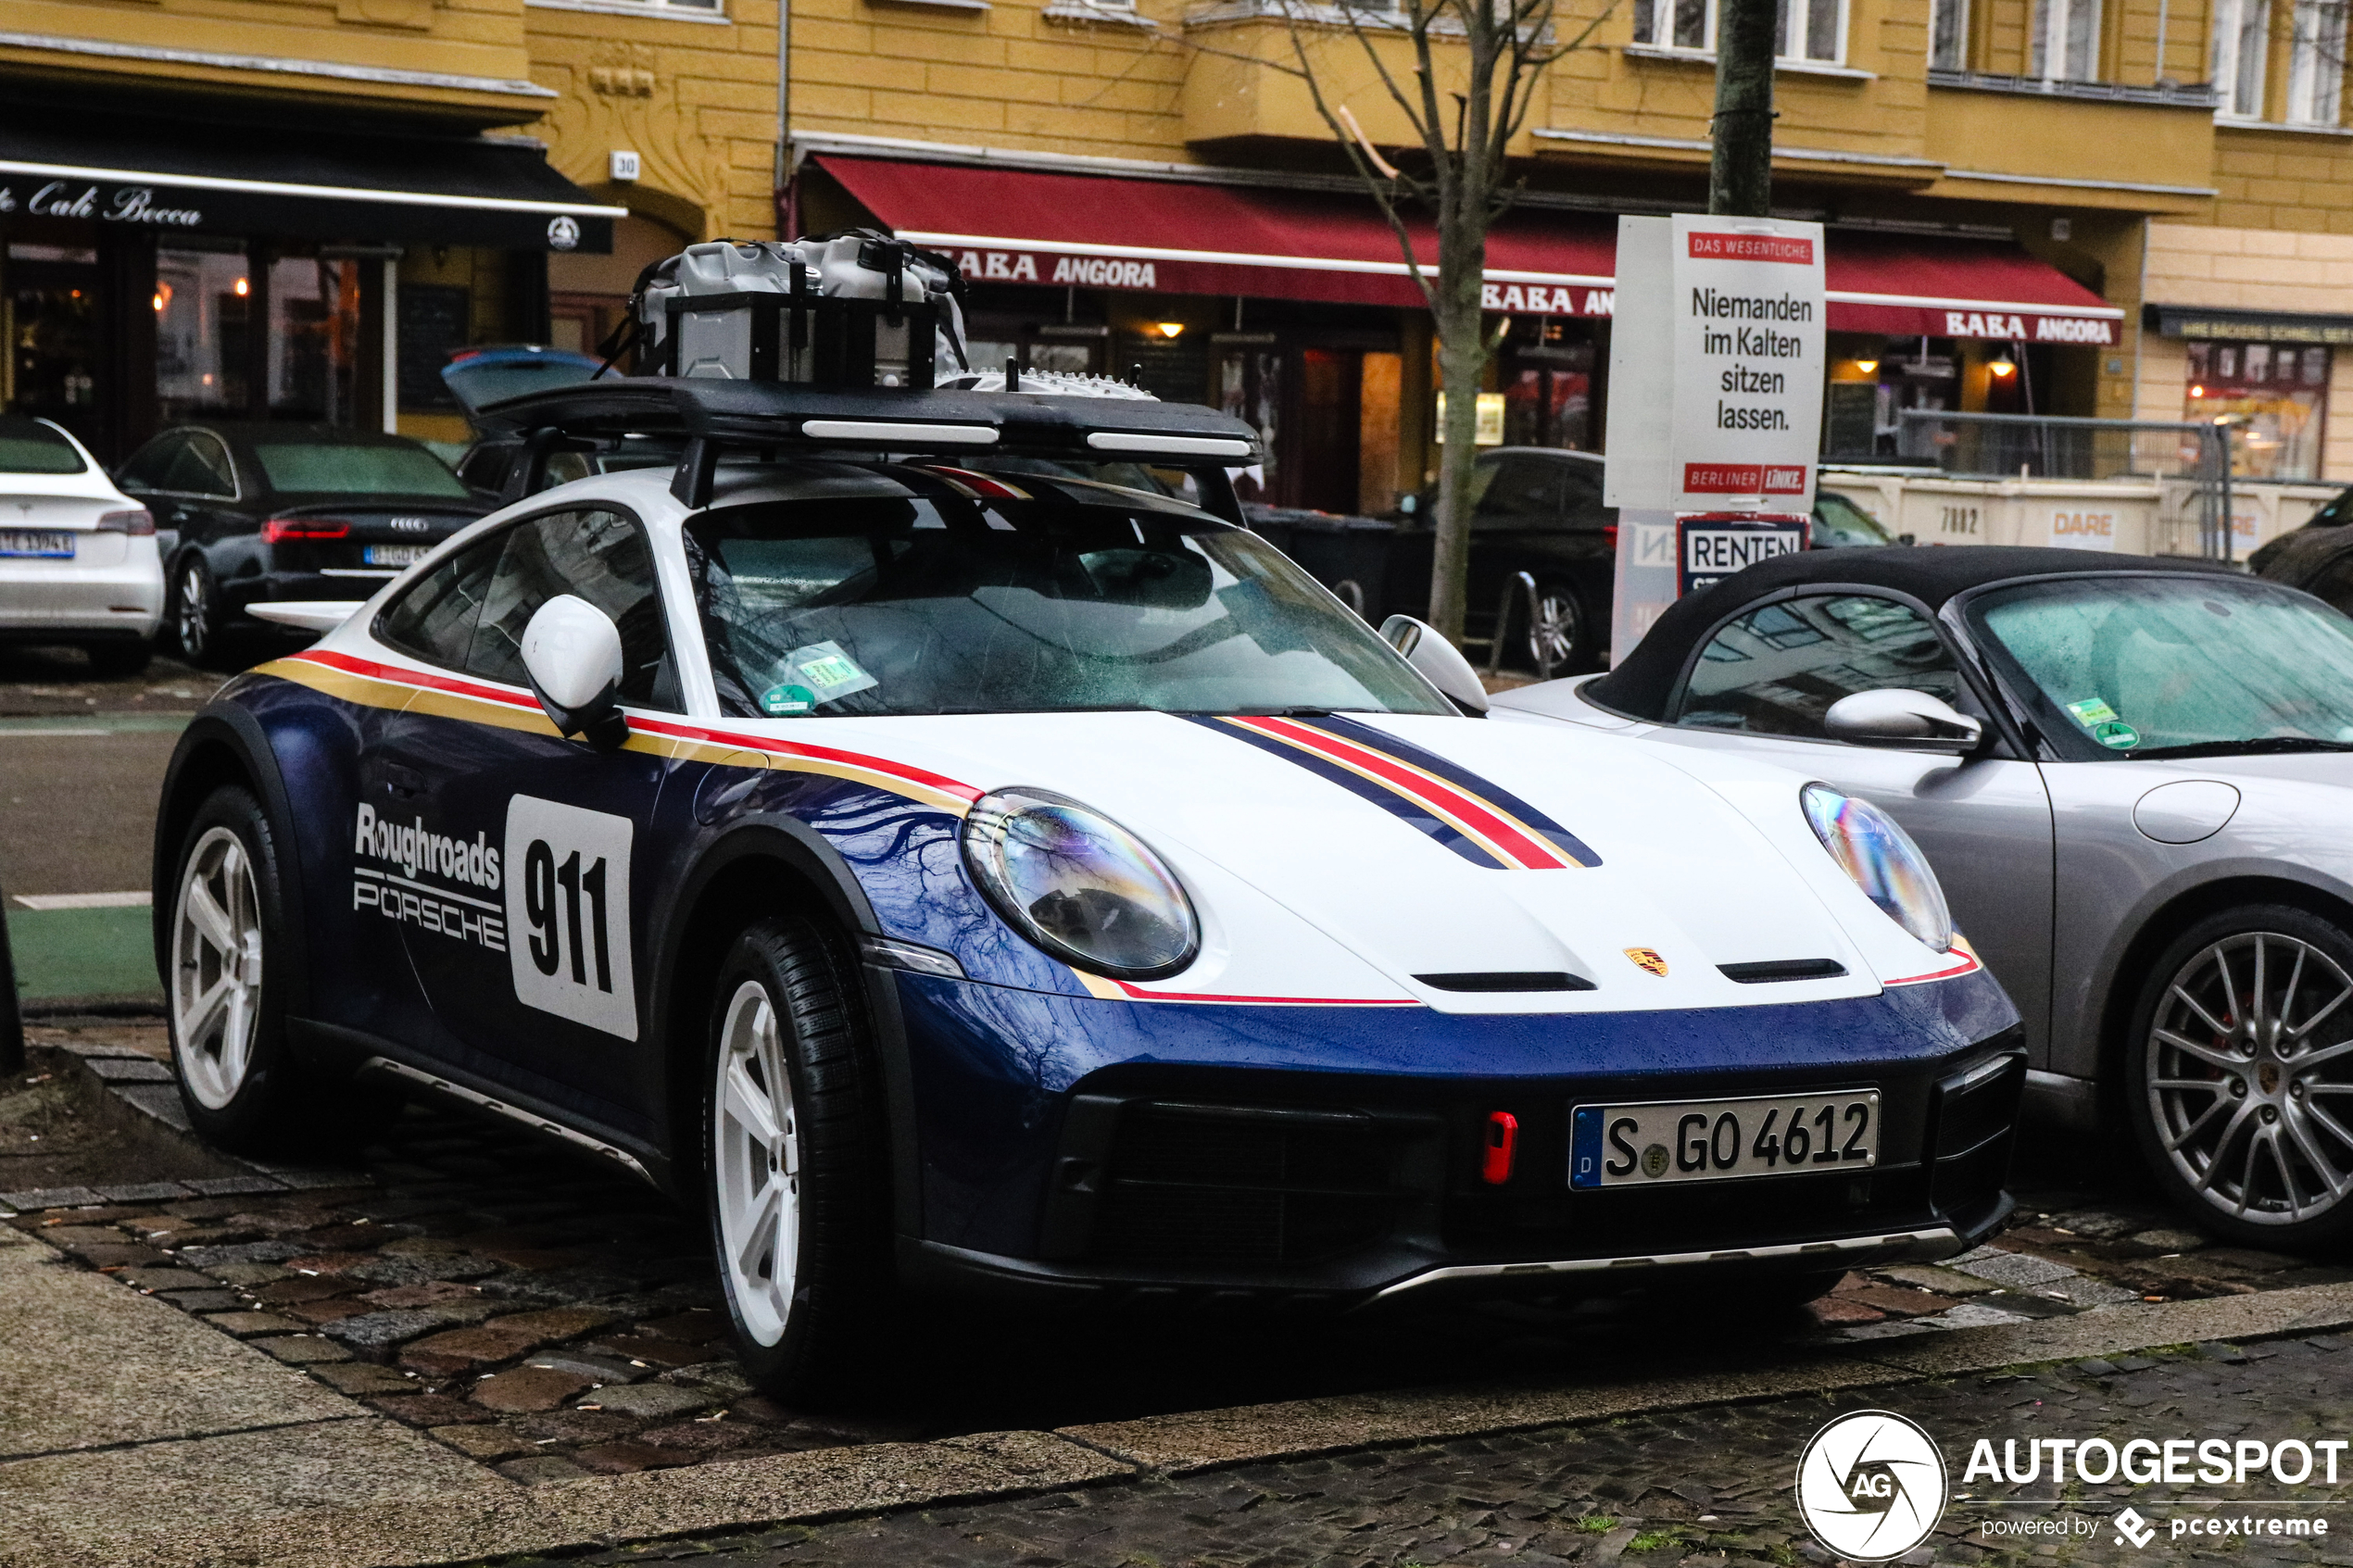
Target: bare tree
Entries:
(1475, 67)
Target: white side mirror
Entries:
(572, 652)
(1901, 717)
(1441, 662)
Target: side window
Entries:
(201, 468)
(602, 557)
(1524, 493)
(1582, 495)
(1777, 669)
(434, 620)
(145, 469)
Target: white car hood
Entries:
(1313, 889)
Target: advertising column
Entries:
(1715, 403)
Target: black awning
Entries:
(2256, 326)
(192, 176)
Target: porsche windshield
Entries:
(1041, 599)
(2176, 666)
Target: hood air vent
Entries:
(1782, 969)
(1508, 980)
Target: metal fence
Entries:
(2046, 447)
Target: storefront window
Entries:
(1547, 377)
(203, 347)
(314, 339)
(2278, 390)
(1250, 387)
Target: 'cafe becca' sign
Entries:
(107, 203)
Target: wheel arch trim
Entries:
(2169, 908)
(226, 733)
(806, 855)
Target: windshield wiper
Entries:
(2268, 745)
(1282, 713)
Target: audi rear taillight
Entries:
(280, 529)
(136, 519)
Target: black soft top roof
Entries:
(1645, 678)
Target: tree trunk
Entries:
(1462, 365)
(1739, 172)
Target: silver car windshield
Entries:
(1045, 598)
(2174, 666)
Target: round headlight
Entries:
(1079, 886)
(1883, 861)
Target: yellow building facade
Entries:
(2130, 208)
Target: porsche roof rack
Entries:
(773, 417)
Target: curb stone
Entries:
(878, 1478)
(137, 1093)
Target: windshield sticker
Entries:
(779, 701)
(828, 672)
(2117, 736)
(2092, 712)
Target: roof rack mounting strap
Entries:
(697, 470)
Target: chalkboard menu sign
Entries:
(435, 320)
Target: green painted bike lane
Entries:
(104, 954)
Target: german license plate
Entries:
(393, 555)
(44, 544)
(1711, 1140)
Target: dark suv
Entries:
(248, 513)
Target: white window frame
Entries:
(2238, 71)
(2316, 63)
(2059, 54)
(1654, 28)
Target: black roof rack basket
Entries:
(776, 418)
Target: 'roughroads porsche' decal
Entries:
(1485, 825)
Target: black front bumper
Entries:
(1192, 1185)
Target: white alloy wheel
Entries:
(2253, 1099)
(755, 1160)
(216, 968)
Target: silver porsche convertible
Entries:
(2131, 775)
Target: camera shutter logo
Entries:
(1871, 1485)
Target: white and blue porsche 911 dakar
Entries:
(951, 872)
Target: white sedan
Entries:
(78, 561)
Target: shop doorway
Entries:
(1327, 428)
(59, 339)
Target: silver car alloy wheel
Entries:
(756, 1152)
(216, 968)
(2250, 1078)
(193, 610)
(1555, 629)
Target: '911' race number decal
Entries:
(568, 913)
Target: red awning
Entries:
(1908, 287)
(1168, 236)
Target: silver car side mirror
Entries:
(572, 654)
(1440, 661)
(1901, 717)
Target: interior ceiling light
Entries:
(1169, 329)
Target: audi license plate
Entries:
(1719, 1139)
(393, 555)
(44, 544)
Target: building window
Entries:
(204, 353)
(2241, 29)
(2316, 63)
(1948, 35)
(2279, 390)
(1809, 30)
(2067, 40)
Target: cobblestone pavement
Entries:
(542, 1314)
(1701, 1489)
